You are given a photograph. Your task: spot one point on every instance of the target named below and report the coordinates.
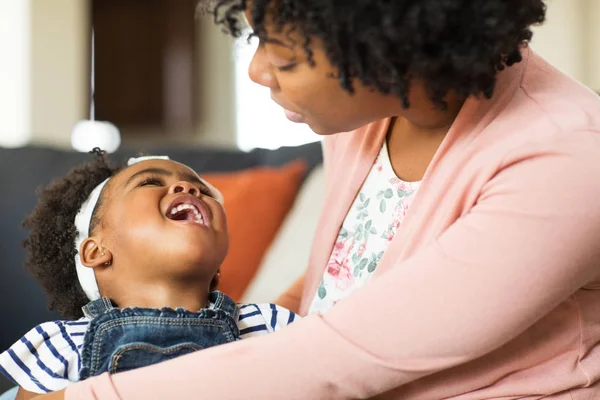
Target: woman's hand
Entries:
(60, 395)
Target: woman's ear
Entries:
(93, 255)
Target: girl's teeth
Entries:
(190, 207)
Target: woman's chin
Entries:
(322, 130)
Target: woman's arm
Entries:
(527, 238)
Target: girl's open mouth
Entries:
(186, 212)
(188, 209)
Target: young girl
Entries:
(130, 256)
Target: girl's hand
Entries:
(60, 395)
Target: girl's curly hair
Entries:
(51, 243)
(451, 45)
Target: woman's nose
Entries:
(260, 70)
(183, 187)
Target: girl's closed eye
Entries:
(151, 181)
(155, 181)
(205, 191)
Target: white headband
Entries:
(86, 276)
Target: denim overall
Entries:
(119, 340)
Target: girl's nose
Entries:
(183, 187)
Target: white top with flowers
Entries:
(370, 225)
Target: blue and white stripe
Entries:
(48, 357)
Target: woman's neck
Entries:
(414, 137)
(425, 117)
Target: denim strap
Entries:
(221, 302)
(97, 307)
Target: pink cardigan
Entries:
(490, 289)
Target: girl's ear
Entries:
(215, 281)
(93, 255)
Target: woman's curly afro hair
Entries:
(451, 45)
(51, 243)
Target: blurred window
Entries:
(260, 122)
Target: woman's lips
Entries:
(293, 116)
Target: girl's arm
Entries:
(59, 395)
(23, 394)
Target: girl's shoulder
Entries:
(259, 319)
(47, 358)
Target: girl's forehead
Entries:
(168, 165)
(154, 166)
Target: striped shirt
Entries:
(48, 357)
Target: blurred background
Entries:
(165, 74)
(162, 73)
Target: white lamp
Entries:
(88, 134)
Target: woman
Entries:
(457, 255)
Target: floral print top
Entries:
(369, 227)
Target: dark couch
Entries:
(23, 170)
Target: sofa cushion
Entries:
(256, 201)
(287, 257)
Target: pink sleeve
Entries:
(529, 243)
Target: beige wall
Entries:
(44, 57)
(59, 57)
(570, 39)
(14, 73)
(593, 25)
(216, 86)
(562, 39)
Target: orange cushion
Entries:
(292, 297)
(256, 201)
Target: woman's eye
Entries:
(150, 182)
(288, 67)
